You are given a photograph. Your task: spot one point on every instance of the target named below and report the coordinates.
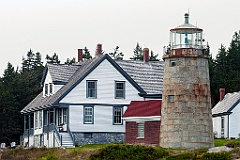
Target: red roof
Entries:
(144, 108)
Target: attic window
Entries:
(172, 63)
(46, 89)
(51, 88)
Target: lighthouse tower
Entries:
(186, 120)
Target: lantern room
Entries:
(186, 36)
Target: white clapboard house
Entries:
(84, 103)
(226, 115)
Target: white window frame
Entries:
(117, 115)
(46, 89)
(88, 115)
(89, 91)
(50, 88)
(119, 90)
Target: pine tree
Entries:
(153, 57)
(86, 53)
(53, 59)
(116, 54)
(137, 53)
(70, 61)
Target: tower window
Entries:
(171, 98)
(172, 63)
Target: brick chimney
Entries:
(145, 54)
(99, 49)
(222, 93)
(80, 55)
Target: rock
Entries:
(219, 149)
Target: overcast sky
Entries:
(63, 26)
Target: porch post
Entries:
(29, 125)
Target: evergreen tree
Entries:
(53, 59)
(70, 61)
(153, 57)
(86, 53)
(116, 54)
(28, 63)
(137, 53)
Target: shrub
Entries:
(125, 152)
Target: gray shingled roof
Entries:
(62, 72)
(149, 76)
(227, 103)
(44, 102)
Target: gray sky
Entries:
(63, 26)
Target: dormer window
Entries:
(51, 88)
(46, 89)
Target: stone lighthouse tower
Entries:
(186, 101)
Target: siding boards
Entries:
(234, 119)
(106, 75)
(103, 120)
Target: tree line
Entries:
(19, 86)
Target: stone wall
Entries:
(98, 138)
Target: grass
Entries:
(84, 152)
(220, 142)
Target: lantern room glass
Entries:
(186, 38)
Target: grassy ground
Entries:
(81, 152)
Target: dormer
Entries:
(55, 76)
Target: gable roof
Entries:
(44, 102)
(227, 104)
(81, 72)
(59, 72)
(148, 108)
(148, 75)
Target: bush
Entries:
(233, 143)
(133, 152)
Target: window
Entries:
(51, 88)
(59, 116)
(64, 115)
(171, 98)
(51, 116)
(119, 89)
(91, 89)
(172, 63)
(88, 115)
(36, 119)
(40, 119)
(140, 130)
(117, 115)
(46, 89)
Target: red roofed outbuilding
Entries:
(143, 122)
